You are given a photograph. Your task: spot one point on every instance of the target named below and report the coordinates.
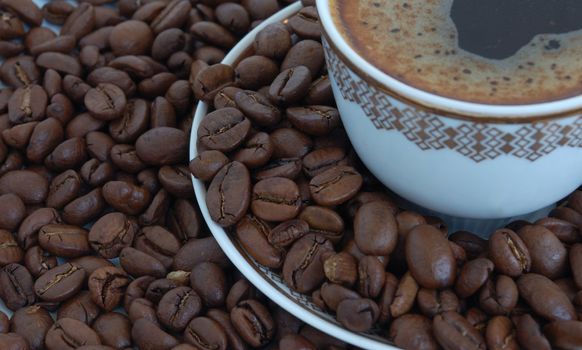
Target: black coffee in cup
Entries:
(486, 51)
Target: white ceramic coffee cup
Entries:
(457, 158)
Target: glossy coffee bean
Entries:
(114, 330)
(68, 334)
(178, 307)
(59, 283)
(253, 322)
(548, 254)
(545, 297)
(111, 233)
(107, 286)
(509, 253)
(80, 307)
(303, 268)
(455, 332)
(229, 194)
(32, 323)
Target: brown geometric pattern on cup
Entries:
(477, 141)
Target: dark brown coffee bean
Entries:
(252, 233)
(12, 211)
(199, 250)
(273, 41)
(430, 257)
(371, 277)
(142, 308)
(80, 22)
(303, 266)
(31, 187)
(452, 331)
(159, 243)
(224, 129)
(17, 286)
(290, 86)
(404, 296)
(70, 334)
(257, 107)
(107, 286)
(60, 62)
(131, 38)
(178, 307)
(108, 75)
(10, 48)
(64, 240)
(256, 71)
(209, 282)
(306, 23)
(290, 143)
(253, 322)
(125, 158)
(314, 120)
(213, 34)
(59, 283)
(10, 26)
(288, 232)
(545, 297)
(229, 194)
(564, 230)
(208, 163)
(32, 323)
(529, 334)
(413, 332)
(225, 97)
(38, 261)
(162, 113)
(174, 15)
(307, 53)
(319, 160)
(500, 334)
(176, 180)
(473, 275)
(95, 173)
(125, 197)
(147, 335)
(138, 263)
(324, 221)
(275, 199)
(80, 308)
(341, 268)
(162, 146)
(27, 104)
(28, 231)
(69, 154)
(57, 12)
(335, 186)
(235, 342)
(84, 209)
(133, 122)
(233, 16)
(43, 140)
(357, 315)
(105, 102)
(375, 229)
(155, 214)
(184, 220)
(211, 80)
(204, 332)
(20, 71)
(499, 296)
(433, 302)
(158, 288)
(13, 341)
(114, 329)
(548, 254)
(18, 135)
(509, 253)
(564, 334)
(111, 233)
(288, 168)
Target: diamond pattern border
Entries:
(477, 141)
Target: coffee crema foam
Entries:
(416, 42)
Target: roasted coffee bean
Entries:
(430, 257)
(107, 286)
(184, 220)
(38, 261)
(131, 38)
(454, 332)
(314, 120)
(18, 135)
(287, 232)
(473, 245)
(176, 180)
(32, 323)
(111, 233)
(142, 308)
(229, 194)
(138, 263)
(161, 146)
(46, 135)
(80, 22)
(273, 41)
(155, 214)
(275, 199)
(10, 26)
(253, 322)
(12, 211)
(545, 297)
(31, 187)
(252, 233)
(199, 250)
(257, 107)
(211, 80)
(303, 266)
(224, 129)
(96, 173)
(114, 329)
(132, 123)
(335, 186)
(59, 283)
(64, 240)
(203, 332)
(319, 160)
(178, 307)
(17, 286)
(564, 230)
(58, 61)
(147, 335)
(548, 255)
(10, 252)
(71, 334)
(290, 86)
(473, 275)
(80, 308)
(105, 102)
(357, 315)
(333, 294)
(404, 296)
(213, 34)
(125, 158)
(499, 296)
(159, 243)
(308, 53)
(208, 163)
(241, 290)
(20, 71)
(509, 253)
(125, 197)
(500, 334)
(564, 334)
(375, 229)
(13, 341)
(529, 334)
(136, 289)
(69, 154)
(433, 302)
(290, 143)
(209, 282)
(412, 332)
(90, 263)
(84, 209)
(28, 231)
(341, 268)
(233, 16)
(371, 277)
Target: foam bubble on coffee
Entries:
(491, 52)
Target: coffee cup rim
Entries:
(458, 109)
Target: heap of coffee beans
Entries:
(101, 245)
(284, 181)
